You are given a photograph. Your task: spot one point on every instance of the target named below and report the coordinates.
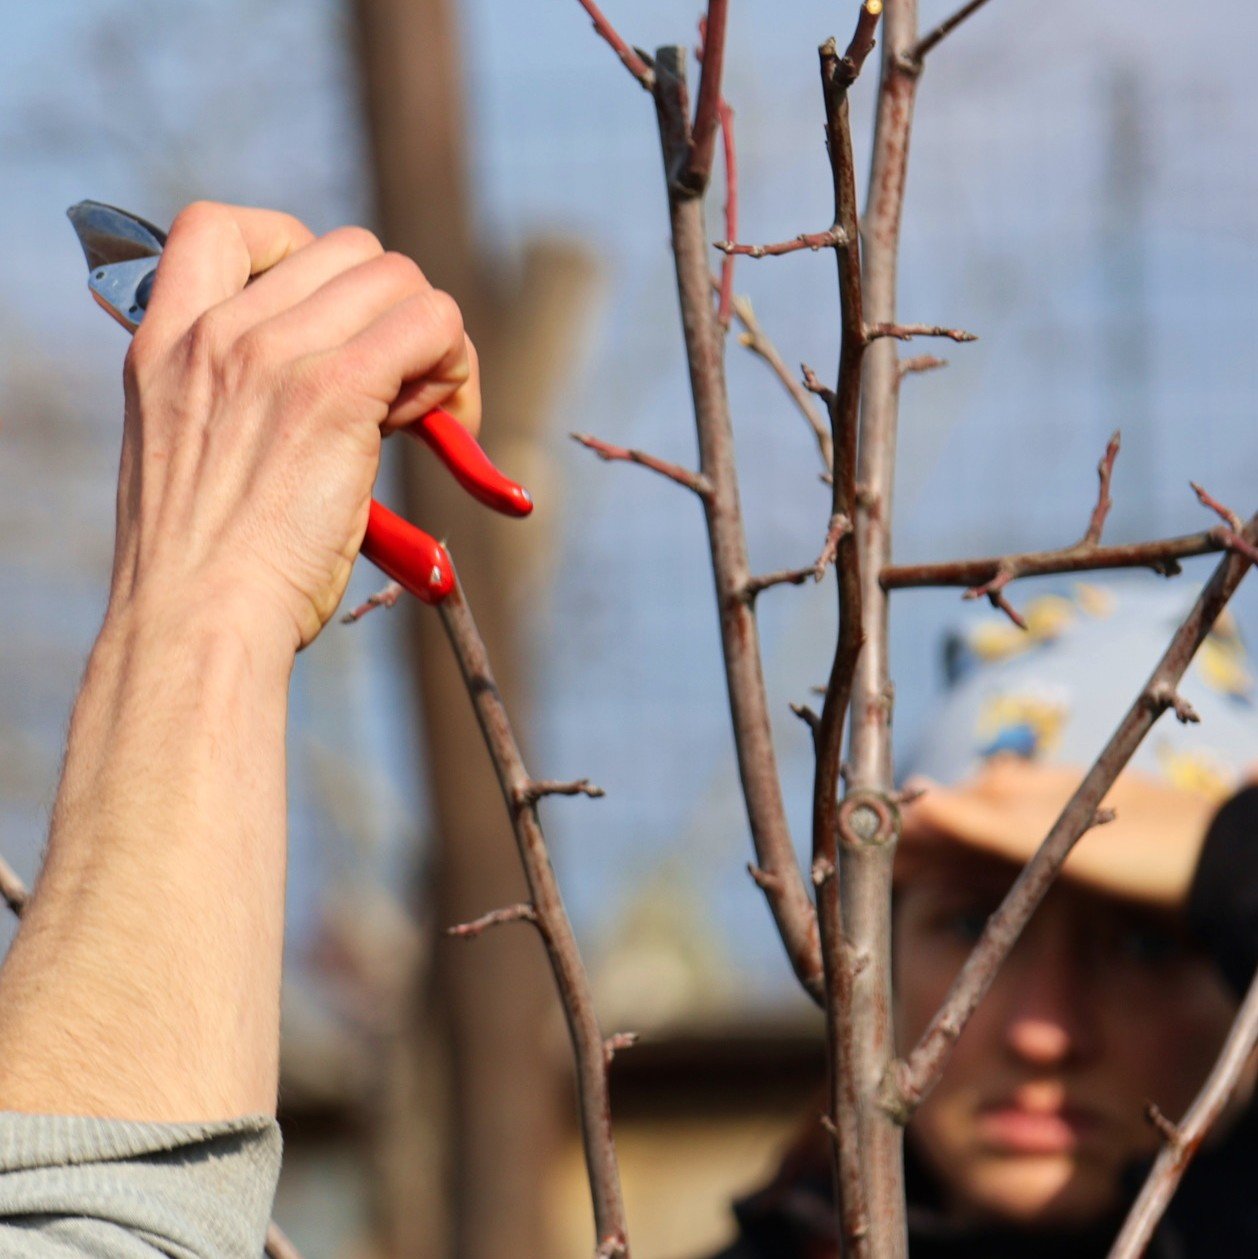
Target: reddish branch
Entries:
(521, 793)
(632, 60)
(753, 738)
(1104, 474)
(914, 57)
(866, 861)
(696, 170)
(695, 481)
(828, 239)
(911, 1081)
(907, 331)
(755, 340)
(1183, 1140)
(920, 363)
(495, 918)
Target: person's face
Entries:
(1099, 1009)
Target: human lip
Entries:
(1015, 1128)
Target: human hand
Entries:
(254, 415)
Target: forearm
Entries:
(144, 982)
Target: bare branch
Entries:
(725, 303)
(12, 889)
(757, 342)
(695, 481)
(1104, 473)
(807, 715)
(920, 363)
(917, 54)
(1166, 1127)
(765, 881)
(1226, 514)
(814, 385)
(1184, 1139)
(783, 577)
(631, 59)
(533, 791)
(616, 1042)
(925, 1064)
(495, 918)
(840, 527)
(828, 239)
(546, 904)
(613, 1247)
(1163, 555)
(1164, 696)
(385, 598)
(862, 43)
(906, 331)
(697, 170)
(749, 709)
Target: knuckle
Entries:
(358, 241)
(445, 316)
(199, 216)
(205, 340)
(403, 269)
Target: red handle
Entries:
(413, 558)
(469, 465)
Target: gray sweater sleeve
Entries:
(113, 1189)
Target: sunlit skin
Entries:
(1100, 1008)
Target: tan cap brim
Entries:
(1147, 854)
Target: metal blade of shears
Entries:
(122, 250)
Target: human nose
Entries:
(1050, 1013)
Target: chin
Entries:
(1039, 1191)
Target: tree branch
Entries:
(551, 917)
(533, 791)
(696, 171)
(631, 59)
(749, 710)
(906, 331)
(755, 340)
(725, 303)
(695, 481)
(1104, 473)
(385, 598)
(867, 852)
(828, 239)
(495, 918)
(1183, 1140)
(277, 1244)
(917, 54)
(911, 1081)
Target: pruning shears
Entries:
(122, 252)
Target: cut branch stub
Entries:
(618, 1041)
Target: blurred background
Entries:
(1082, 194)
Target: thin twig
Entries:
(783, 577)
(915, 1078)
(616, 1042)
(828, 239)
(907, 331)
(547, 905)
(1185, 1138)
(495, 918)
(12, 889)
(840, 527)
(385, 598)
(749, 708)
(532, 792)
(695, 481)
(632, 61)
(757, 342)
(1104, 474)
(920, 363)
(917, 54)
